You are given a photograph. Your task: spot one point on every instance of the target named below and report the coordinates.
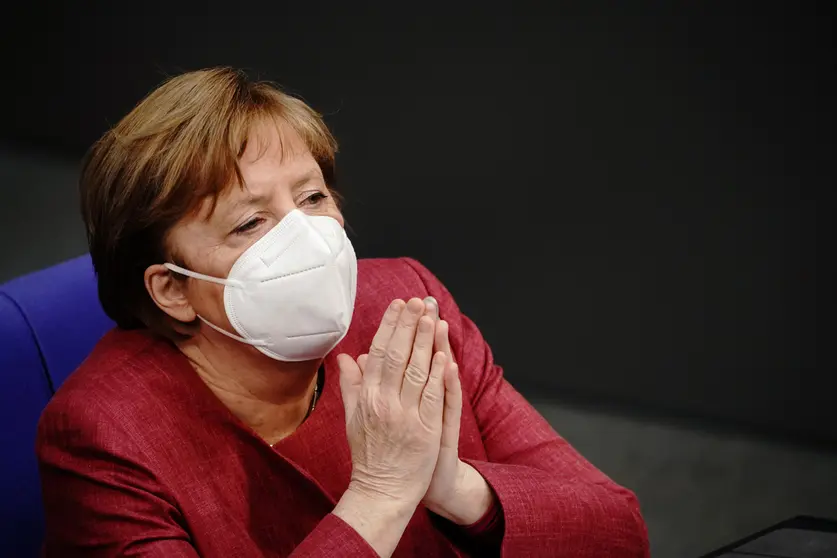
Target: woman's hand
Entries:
(394, 408)
(456, 491)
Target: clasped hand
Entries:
(403, 404)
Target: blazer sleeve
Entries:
(554, 502)
(101, 502)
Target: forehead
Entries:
(273, 151)
(275, 157)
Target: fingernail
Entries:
(432, 305)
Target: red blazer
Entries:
(139, 458)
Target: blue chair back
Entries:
(49, 322)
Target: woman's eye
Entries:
(315, 198)
(249, 225)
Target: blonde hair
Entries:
(179, 147)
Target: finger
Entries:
(453, 407)
(442, 340)
(351, 381)
(378, 350)
(399, 348)
(418, 369)
(431, 407)
(432, 307)
(361, 362)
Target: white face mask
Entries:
(292, 293)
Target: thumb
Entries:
(351, 380)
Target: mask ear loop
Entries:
(253, 342)
(217, 280)
(225, 282)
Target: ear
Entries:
(169, 293)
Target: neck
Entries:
(271, 397)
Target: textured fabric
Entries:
(138, 458)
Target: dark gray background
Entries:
(632, 203)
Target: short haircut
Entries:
(179, 147)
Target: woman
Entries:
(253, 401)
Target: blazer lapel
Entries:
(319, 448)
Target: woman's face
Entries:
(279, 176)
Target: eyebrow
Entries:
(311, 174)
(250, 200)
(230, 212)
